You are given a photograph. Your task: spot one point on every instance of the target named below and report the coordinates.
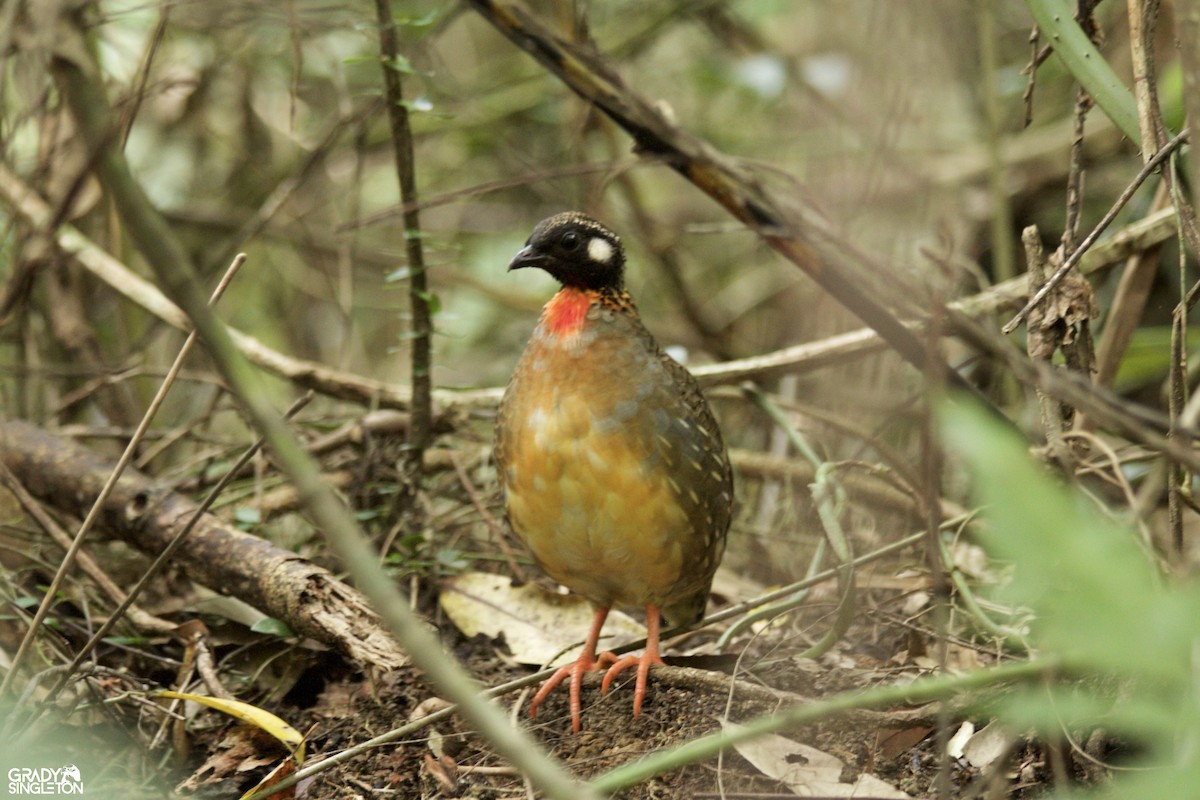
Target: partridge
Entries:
(613, 469)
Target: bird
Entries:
(612, 466)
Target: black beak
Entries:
(527, 256)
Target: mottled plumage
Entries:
(613, 468)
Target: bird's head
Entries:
(577, 250)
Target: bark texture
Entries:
(143, 513)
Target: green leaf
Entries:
(1170, 95)
(246, 517)
(423, 21)
(400, 64)
(1100, 605)
(274, 627)
(1089, 580)
(408, 336)
(1056, 20)
(452, 559)
(1148, 356)
(128, 641)
(432, 301)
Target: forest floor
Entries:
(885, 752)
(891, 752)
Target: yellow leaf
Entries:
(265, 720)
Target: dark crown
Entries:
(577, 250)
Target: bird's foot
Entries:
(574, 671)
(647, 659)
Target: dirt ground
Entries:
(446, 760)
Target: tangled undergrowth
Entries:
(917, 600)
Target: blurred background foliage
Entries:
(261, 127)
(878, 112)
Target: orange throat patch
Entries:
(564, 315)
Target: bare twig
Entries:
(1083, 102)
(309, 374)
(1178, 479)
(494, 526)
(672, 270)
(476, 190)
(1143, 15)
(420, 300)
(138, 94)
(1127, 305)
(285, 189)
(1036, 56)
(1154, 229)
(1187, 13)
(939, 582)
(1143, 19)
(1136, 422)
(165, 555)
(1149, 167)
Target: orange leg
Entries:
(586, 662)
(647, 659)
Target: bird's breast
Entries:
(585, 464)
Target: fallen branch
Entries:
(147, 516)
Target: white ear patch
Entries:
(599, 250)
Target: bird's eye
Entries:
(569, 240)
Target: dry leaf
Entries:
(894, 743)
(260, 718)
(240, 750)
(988, 744)
(285, 770)
(971, 560)
(537, 625)
(954, 747)
(1061, 318)
(807, 771)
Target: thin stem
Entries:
(418, 292)
(1147, 169)
(1003, 252)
